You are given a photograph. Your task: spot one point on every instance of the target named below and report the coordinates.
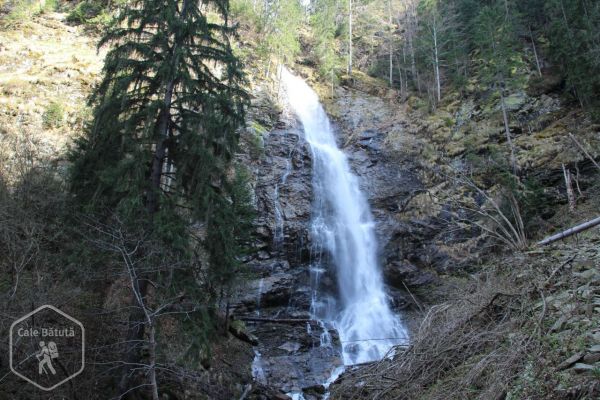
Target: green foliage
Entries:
(256, 139)
(156, 160)
(497, 45)
(575, 45)
(164, 132)
(85, 12)
(246, 10)
(228, 229)
(21, 11)
(53, 116)
(325, 28)
(277, 23)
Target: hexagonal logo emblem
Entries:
(47, 347)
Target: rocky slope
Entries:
(47, 69)
(406, 159)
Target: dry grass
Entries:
(462, 346)
(45, 62)
(494, 339)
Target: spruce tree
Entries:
(158, 153)
(497, 44)
(575, 46)
(439, 41)
(324, 25)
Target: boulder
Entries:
(400, 273)
(570, 361)
(581, 368)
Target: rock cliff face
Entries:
(385, 154)
(402, 159)
(291, 356)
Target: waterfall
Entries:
(343, 226)
(278, 234)
(258, 371)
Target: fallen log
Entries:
(571, 231)
(280, 320)
(243, 335)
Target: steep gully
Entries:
(320, 247)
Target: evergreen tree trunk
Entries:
(135, 336)
(135, 333)
(161, 149)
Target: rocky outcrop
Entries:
(289, 356)
(386, 155)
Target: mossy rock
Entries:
(416, 103)
(361, 81)
(516, 101)
(548, 83)
(556, 130)
(454, 149)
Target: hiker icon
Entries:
(45, 356)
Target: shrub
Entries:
(53, 116)
(84, 12)
(17, 12)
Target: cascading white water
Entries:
(343, 226)
(278, 234)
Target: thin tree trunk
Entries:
(513, 160)
(349, 37)
(400, 76)
(437, 61)
(135, 334)
(160, 152)
(570, 41)
(535, 53)
(569, 187)
(280, 320)
(135, 330)
(391, 43)
(332, 87)
(152, 356)
(411, 49)
(584, 150)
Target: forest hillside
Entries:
(158, 182)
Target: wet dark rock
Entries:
(292, 356)
(270, 291)
(399, 298)
(316, 389)
(398, 273)
(290, 347)
(276, 289)
(581, 368)
(591, 358)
